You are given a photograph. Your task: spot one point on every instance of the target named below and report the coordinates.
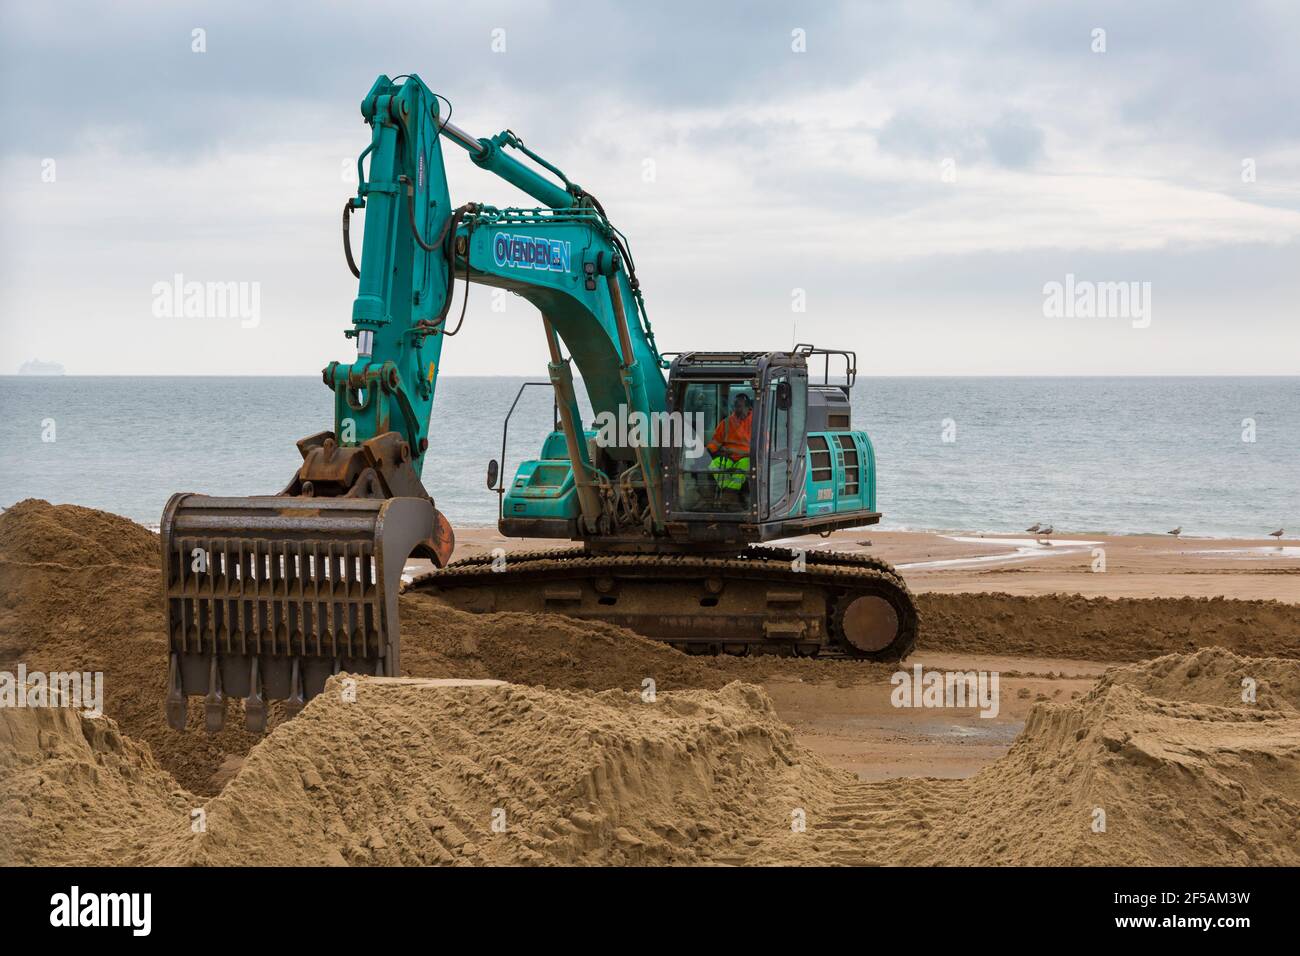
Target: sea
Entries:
(1218, 457)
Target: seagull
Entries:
(1277, 534)
(1045, 532)
(1037, 525)
(1176, 532)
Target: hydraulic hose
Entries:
(442, 244)
(347, 240)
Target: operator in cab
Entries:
(730, 447)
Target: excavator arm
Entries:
(267, 596)
(564, 257)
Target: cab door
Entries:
(785, 416)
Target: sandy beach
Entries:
(854, 726)
(1137, 566)
(1120, 687)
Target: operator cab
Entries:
(715, 461)
(765, 454)
(749, 450)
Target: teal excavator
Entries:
(671, 491)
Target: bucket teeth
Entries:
(290, 588)
(176, 701)
(255, 703)
(293, 706)
(214, 704)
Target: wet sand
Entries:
(1134, 565)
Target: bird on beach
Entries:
(1277, 534)
(1037, 525)
(1045, 533)
(1176, 532)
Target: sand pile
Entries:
(1215, 676)
(411, 772)
(547, 649)
(74, 790)
(414, 773)
(1106, 629)
(1184, 769)
(1192, 777)
(34, 531)
(81, 590)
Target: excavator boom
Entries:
(266, 596)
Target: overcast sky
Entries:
(920, 171)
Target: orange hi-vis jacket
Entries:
(732, 436)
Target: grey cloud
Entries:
(74, 71)
(709, 86)
(1009, 141)
(1014, 143)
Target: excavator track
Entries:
(764, 600)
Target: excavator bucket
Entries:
(268, 596)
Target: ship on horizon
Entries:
(40, 367)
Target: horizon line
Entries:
(860, 374)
